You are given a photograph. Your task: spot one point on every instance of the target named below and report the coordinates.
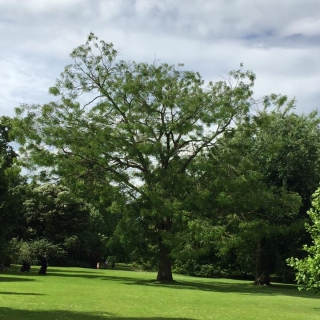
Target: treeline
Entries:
(148, 163)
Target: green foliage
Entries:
(195, 268)
(140, 128)
(11, 188)
(112, 259)
(308, 268)
(53, 213)
(32, 251)
(273, 161)
(287, 150)
(252, 189)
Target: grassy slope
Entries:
(74, 293)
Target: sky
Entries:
(279, 40)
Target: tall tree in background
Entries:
(287, 148)
(52, 212)
(273, 160)
(10, 192)
(287, 151)
(134, 125)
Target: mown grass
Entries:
(75, 293)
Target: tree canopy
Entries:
(134, 125)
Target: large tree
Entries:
(138, 126)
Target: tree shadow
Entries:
(93, 272)
(14, 314)
(14, 279)
(215, 285)
(221, 286)
(23, 293)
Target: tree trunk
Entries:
(262, 276)
(262, 280)
(165, 271)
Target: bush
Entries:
(193, 268)
(32, 251)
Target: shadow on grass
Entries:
(23, 293)
(221, 286)
(214, 285)
(14, 279)
(13, 314)
(86, 273)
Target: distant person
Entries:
(113, 265)
(106, 264)
(44, 265)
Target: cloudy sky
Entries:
(277, 39)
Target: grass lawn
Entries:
(75, 293)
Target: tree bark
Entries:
(165, 271)
(262, 276)
(165, 265)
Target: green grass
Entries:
(75, 293)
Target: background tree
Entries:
(273, 160)
(53, 214)
(254, 186)
(135, 125)
(104, 215)
(11, 188)
(31, 252)
(287, 150)
(241, 214)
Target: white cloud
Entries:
(306, 26)
(21, 82)
(279, 40)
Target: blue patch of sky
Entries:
(270, 37)
(261, 35)
(301, 40)
(7, 21)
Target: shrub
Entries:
(32, 251)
